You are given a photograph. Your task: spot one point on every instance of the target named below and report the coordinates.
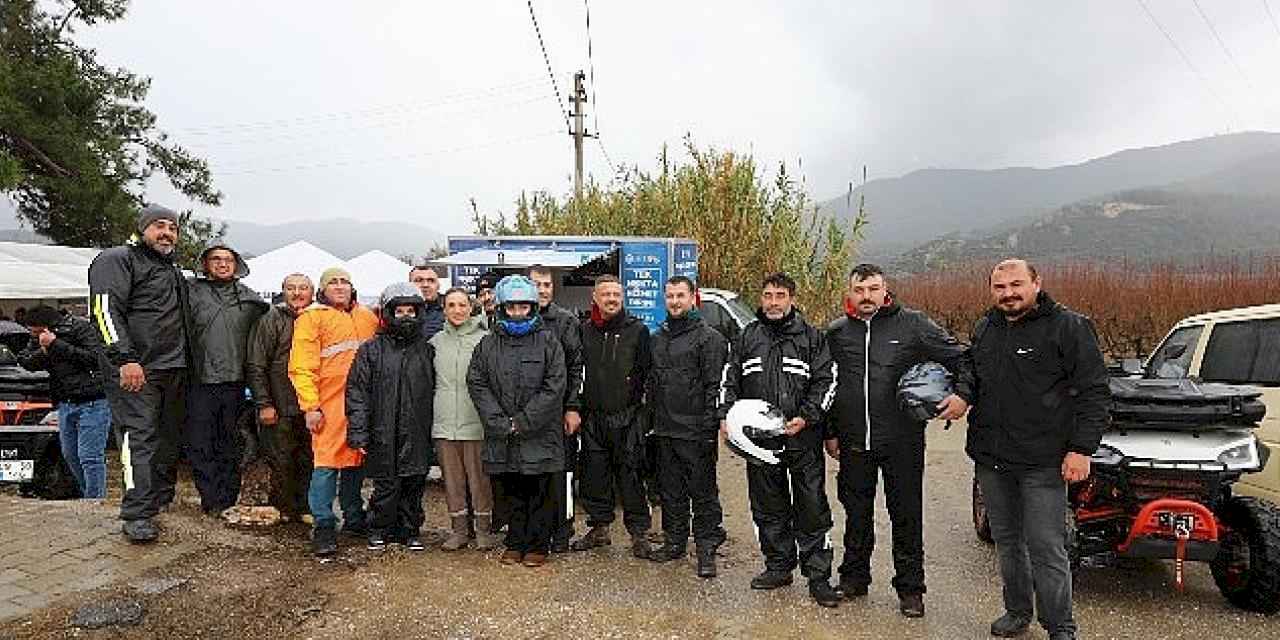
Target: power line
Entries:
(547, 59)
(1223, 44)
(600, 142)
(1274, 23)
(591, 63)
(1190, 65)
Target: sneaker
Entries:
(324, 542)
(414, 543)
(377, 542)
(534, 559)
(911, 605)
(771, 579)
(667, 553)
(140, 531)
(641, 548)
(823, 594)
(511, 556)
(1062, 635)
(849, 590)
(1010, 625)
(597, 536)
(706, 562)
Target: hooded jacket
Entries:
(564, 324)
(432, 317)
(616, 359)
(684, 382)
(455, 414)
(72, 360)
(138, 302)
(223, 314)
(787, 363)
(1041, 388)
(517, 384)
(267, 367)
(872, 356)
(325, 340)
(389, 395)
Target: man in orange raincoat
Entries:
(325, 339)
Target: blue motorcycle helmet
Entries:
(516, 289)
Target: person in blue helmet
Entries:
(517, 381)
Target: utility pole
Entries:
(579, 132)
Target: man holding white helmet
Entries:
(875, 343)
(783, 359)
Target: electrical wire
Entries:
(1274, 23)
(1190, 65)
(591, 64)
(1223, 45)
(547, 59)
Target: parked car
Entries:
(724, 310)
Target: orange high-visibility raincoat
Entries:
(325, 340)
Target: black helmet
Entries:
(756, 431)
(922, 387)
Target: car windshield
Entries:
(740, 309)
(1173, 358)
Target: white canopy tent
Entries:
(268, 271)
(372, 271)
(36, 272)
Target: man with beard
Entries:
(428, 283)
(684, 390)
(876, 342)
(139, 304)
(287, 441)
(1038, 416)
(223, 312)
(784, 360)
(616, 359)
(565, 326)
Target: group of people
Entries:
(515, 398)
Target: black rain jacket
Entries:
(872, 357)
(564, 324)
(390, 395)
(616, 358)
(73, 361)
(684, 381)
(787, 363)
(517, 384)
(1041, 388)
(138, 302)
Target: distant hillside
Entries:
(923, 205)
(1231, 211)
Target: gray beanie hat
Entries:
(153, 212)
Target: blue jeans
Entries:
(1028, 514)
(327, 483)
(82, 432)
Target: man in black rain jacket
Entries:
(870, 434)
(684, 391)
(390, 396)
(138, 299)
(223, 314)
(616, 359)
(782, 359)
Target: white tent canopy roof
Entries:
(268, 271)
(371, 272)
(44, 272)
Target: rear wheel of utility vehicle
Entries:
(1247, 569)
(981, 525)
(52, 480)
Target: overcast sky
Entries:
(404, 110)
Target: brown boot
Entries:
(458, 536)
(485, 541)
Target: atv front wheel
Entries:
(981, 525)
(53, 480)
(1247, 568)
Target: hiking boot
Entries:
(1062, 635)
(823, 594)
(597, 536)
(485, 539)
(324, 542)
(377, 541)
(911, 605)
(560, 546)
(1010, 625)
(534, 559)
(140, 531)
(667, 553)
(511, 556)
(458, 537)
(850, 590)
(641, 548)
(706, 562)
(414, 543)
(770, 579)
(357, 530)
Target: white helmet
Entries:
(756, 431)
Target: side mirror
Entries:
(1175, 351)
(1131, 366)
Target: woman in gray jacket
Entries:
(457, 430)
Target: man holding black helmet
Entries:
(876, 342)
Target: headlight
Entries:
(50, 419)
(1241, 456)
